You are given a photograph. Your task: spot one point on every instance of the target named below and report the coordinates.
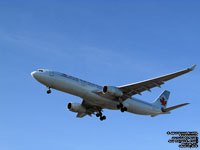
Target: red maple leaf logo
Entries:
(163, 101)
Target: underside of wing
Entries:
(90, 109)
(81, 115)
(100, 93)
(86, 108)
(137, 88)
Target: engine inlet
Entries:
(69, 106)
(105, 88)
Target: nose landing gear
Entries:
(49, 90)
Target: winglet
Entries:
(192, 68)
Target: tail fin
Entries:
(161, 101)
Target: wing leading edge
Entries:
(138, 87)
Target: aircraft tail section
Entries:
(161, 101)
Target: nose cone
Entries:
(34, 74)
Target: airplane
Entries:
(95, 98)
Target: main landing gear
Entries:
(49, 90)
(121, 107)
(99, 114)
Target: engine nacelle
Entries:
(111, 90)
(76, 107)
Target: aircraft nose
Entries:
(34, 74)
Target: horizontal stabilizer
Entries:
(174, 107)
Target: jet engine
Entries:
(113, 91)
(76, 107)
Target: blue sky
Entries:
(112, 43)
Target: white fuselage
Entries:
(85, 90)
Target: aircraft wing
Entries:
(81, 115)
(137, 88)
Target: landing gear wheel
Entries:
(48, 91)
(100, 115)
(101, 118)
(122, 109)
(125, 109)
(119, 106)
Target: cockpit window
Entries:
(40, 70)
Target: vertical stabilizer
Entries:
(161, 101)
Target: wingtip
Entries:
(193, 67)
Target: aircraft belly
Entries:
(138, 107)
(74, 88)
(84, 92)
